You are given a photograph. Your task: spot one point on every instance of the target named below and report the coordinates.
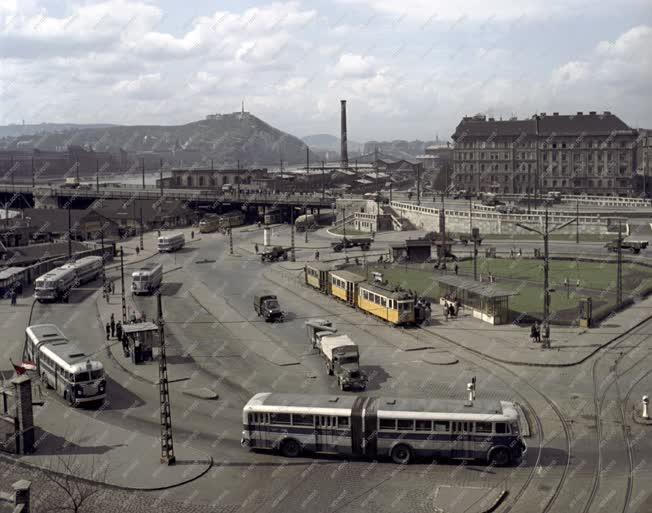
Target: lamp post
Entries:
(546, 288)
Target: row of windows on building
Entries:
(549, 155)
(208, 181)
(554, 169)
(571, 144)
(469, 179)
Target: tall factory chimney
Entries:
(344, 149)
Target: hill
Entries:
(223, 138)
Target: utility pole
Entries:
(69, 232)
(419, 185)
(305, 215)
(97, 175)
(475, 259)
(230, 240)
(122, 285)
(619, 267)
(470, 216)
(141, 229)
(346, 256)
(323, 181)
(292, 255)
(143, 169)
(33, 179)
(167, 445)
(160, 174)
(528, 187)
(577, 223)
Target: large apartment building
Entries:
(592, 153)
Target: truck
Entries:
(633, 246)
(364, 243)
(340, 354)
(266, 306)
(274, 254)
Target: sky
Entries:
(409, 69)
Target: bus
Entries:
(55, 285)
(86, 269)
(168, 243)
(147, 279)
(375, 427)
(62, 366)
(209, 224)
(12, 278)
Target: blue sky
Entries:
(409, 69)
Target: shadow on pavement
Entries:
(118, 397)
(47, 443)
(377, 376)
(170, 288)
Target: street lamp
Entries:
(546, 289)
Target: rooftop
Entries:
(481, 289)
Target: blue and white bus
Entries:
(168, 243)
(398, 428)
(61, 365)
(86, 269)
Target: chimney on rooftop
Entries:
(344, 147)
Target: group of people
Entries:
(113, 329)
(537, 331)
(513, 253)
(451, 307)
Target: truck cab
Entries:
(267, 307)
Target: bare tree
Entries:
(73, 483)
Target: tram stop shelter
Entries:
(141, 337)
(411, 250)
(486, 301)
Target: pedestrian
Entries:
(14, 294)
(451, 310)
(520, 252)
(446, 310)
(192, 234)
(108, 331)
(112, 287)
(137, 251)
(125, 344)
(511, 253)
(533, 333)
(112, 323)
(118, 330)
(317, 255)
(256, 248)
(144, 317)
(577, 285)
(456, 268)
(537, 332)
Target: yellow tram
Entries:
(316, 275)
(396, 307)
(344, 285)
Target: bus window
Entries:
(404, 424)
(387, 424)
(302, 420)
(440, 426)
(343, 422)
(483, 427)
(97, 374)
(280, 418)
(423, 425)
(501, 428)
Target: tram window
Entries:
(440, 426)
(483, 427)
(280, 418)
(383, 301)
(343, 421)
(302, 420)
(387, 424)
(423, 425)
(501, 427)
(405, 424)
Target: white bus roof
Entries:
(10, 271)
(51, 340)
(57, 273)
(147, 268)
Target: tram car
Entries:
(231, 219)
(395, 307)
(316, 275)
(344, 285)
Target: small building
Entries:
(141, 338)
(211, 178)
(417, 250)
(485, 301)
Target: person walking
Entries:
(256, 248)
(537, 332)
(533, 333)
(14, 294)
(137, 250)
(317, 255)
(112, 323)
(192, 234)
(118, 330)
(456, 268)
(108, 331)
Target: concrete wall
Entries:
(427, 218)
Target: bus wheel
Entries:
(401, 454)
(290, 448)
(499, 457)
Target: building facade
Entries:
(589, 153)
(208, 178)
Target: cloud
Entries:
(144, 87)
(352, 65)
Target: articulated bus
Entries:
(168, 243)
(373, 427)
(61, 365)
(147, 279)
(86, 269)
(55, 285)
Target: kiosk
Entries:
(140, 337)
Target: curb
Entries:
(15, 461)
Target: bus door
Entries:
(350, 292)
(261, 426)
(462, 439)
(326, 433)
(356, 426)
(370, 428)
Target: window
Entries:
(302, 420)
(387, 424)
(423, 425)
(280, 418)
(501, 428)
(343, 421)
(201, 181)
(405, 424)
(189, 181)
(483, 427)
(440, 426)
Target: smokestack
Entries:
(344, 149)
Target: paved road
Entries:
(219, 351)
